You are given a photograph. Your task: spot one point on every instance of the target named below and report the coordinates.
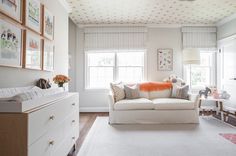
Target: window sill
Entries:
(97, 90)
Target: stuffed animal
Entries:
(175, 79)
(215, 93)
(43, 83)
(205, 92)
(224, 95)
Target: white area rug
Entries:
(159, 140)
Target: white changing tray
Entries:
(13, 106)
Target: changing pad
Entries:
(23, 99)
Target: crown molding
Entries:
(145, 25)
(65, 4)
(226, 19)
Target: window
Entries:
(103, 67)
(199, 76)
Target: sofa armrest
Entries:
(194, 98)
(111, 101)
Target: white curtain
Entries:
(104, 38)
(199, 37)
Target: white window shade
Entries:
(199, 37)
(105, 38)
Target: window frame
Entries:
(115, 66)
(211, 67)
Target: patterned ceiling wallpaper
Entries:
(150, 11)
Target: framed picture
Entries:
(33, 15)
(10, 44)
(48, 24)
(33, 51)
(48, 56)
(12, 8)
(165, 59)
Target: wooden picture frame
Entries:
(12, 8)
(11, 47)
(165, 59)
(48, 24)
(33, 15)
(33, 51)
(48, 55)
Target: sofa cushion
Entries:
(160, 94)
(172, 103)
(180, 92)
(118, 91)
(134, 104)
(131, 92)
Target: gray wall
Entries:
(14, 77)
(97, 100)
(72, 54)
(226, 30)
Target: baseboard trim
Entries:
(94, 109)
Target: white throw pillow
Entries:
(132, 92)
(180, 92)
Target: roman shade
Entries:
(199, 37)
(105, 38)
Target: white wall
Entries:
(163, 38)
(157, 38)
(227, 45)
(226, 30)
(12, 77)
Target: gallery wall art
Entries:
(165, 59)
(48, 56)
(12, 8)
(26, 41)
(33, 15)
(48, 24)
(33, 51)
(10, 44)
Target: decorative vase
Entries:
(60, 84)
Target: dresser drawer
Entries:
(60, 138)
(72, 122)
(47, 143)
(67, 144)
(47, 118)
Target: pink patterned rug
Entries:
(229, 136)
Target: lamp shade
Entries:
(191, 56)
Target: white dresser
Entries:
(50, 129)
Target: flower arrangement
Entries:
(60, 80)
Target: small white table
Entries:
(218, 107)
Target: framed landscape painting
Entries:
(10, 44)
(48, 24)
(48, 56)
(33, 15)
(33, 52)
(12, 8)
(165, 59)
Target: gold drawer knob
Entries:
(52, 117)
(73, 104)
(51, 143)
(73, 121)
(73, 138)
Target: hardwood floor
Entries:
(87, 120)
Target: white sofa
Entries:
(158, 108)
